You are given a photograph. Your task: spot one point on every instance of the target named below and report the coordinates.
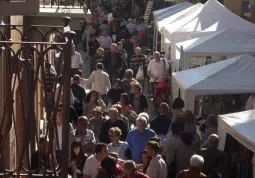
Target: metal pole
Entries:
(66, 101)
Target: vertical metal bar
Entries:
(66, 101)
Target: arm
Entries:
(72, 100)
(90, 80)
(108, 83)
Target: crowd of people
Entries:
(113, 131)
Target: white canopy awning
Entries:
(228, 42)
(241, 127)
(231, 76)
(162, 13)
(176, 15)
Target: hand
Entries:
(155, 78)
(78, 171)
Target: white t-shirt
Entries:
(158, 69)
(91, 166)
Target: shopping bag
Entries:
(140, 74)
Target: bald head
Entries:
(214, 139)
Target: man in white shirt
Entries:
(157, 71)
(250, 105)
(100, 81)
(105, 41)
(84, 135)
(92, 164)
(131, 26)
(157, 166)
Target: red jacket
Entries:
(138, 175)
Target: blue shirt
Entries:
(137, 141)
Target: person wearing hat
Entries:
(96, 121)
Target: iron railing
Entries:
(24, 72)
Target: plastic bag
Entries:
(140, 74)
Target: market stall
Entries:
(241, 127)
(231, 76)
(211, 17)
(228, 43)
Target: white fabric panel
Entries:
(231, 76)
(166, 12)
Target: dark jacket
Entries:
(79, 92)
(96, 59)
(108, 65)
(143, 102)
(214, 174)
(210, 156)
(80, 162)
(38, 161)
(160, 124)
(93, 46)
(104, 135)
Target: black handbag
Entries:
(172, 171)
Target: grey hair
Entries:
(113, 109)
(129, 70)
(144, 114)
(196, 161)
(142, 118)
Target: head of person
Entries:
(43, 145)
(152, 148)
(105, 33)
(177, 127)
(155, 139)
(137, 51)
(118, 107)
(108, 164)
(211, 121)
(114, 155)
(137, 88)
(76, 79)
(129, 74)
(73, 49)
(115, 134)
(196, 162)
(145, 159)
(114, 48)
(178, 103)
(213, 140)
(76, 148)
(119, 45)
(148, 52)
(124, 99)
(82, 124)
(79, 72)
(92, 97)
(141, 123)
(113, 114)
(163, 109)
(97, 112)
(116, 83)
(101, 150)
(100, 66)
(186, 139)
(93, 37)
(156, 55)
(100, 51)
(129, 168)
(144, 114)
(188, 116)
(59, 117)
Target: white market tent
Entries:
(165, 15)
(231, 76)
(162, 13)
(240, 126)
(212, 17)
(228, 42)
